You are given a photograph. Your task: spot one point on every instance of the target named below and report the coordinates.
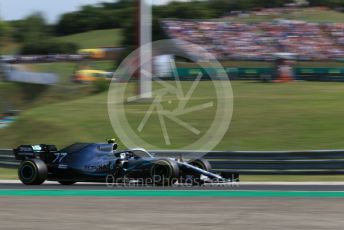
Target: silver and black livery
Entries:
(102, 162)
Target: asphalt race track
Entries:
(170, 213)
(243, 206)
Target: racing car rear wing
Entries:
(45, 152)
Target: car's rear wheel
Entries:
(164, 172)
(32, 172)
(67, 182)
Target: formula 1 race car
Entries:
(101, 162)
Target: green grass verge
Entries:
(96, 38)
(8, 174)
(299, 115)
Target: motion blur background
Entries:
(285, 60)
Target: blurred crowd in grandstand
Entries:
(229, 40)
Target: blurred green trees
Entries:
(30, 28)
(36, 36)
(5, 32)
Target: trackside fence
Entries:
(272, 162)
(7, 159)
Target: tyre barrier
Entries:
(247, 162)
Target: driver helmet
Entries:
(123, 155)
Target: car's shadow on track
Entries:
(233, 186)
(103, 186)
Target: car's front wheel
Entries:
(164, 172)
(202, 164)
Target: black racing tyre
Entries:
(164, 172)
(201, 163)
(32, 172)
(67, 182)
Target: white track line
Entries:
(293, 183)
(47, 182)
(234, 183)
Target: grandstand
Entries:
(260, 41)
